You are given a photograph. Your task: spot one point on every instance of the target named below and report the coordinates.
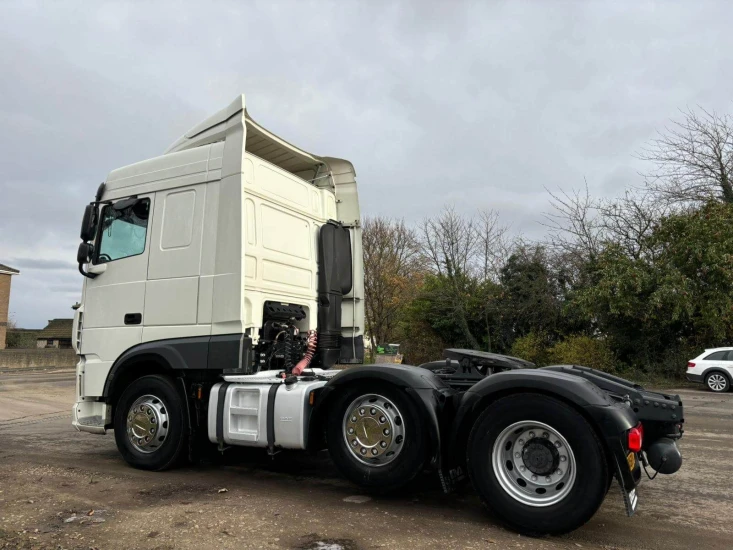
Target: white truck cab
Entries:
(188, 251)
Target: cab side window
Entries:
(717, 356)
(123, 231)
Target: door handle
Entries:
(133, 318)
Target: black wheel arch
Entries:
(426, 391)
(179, 358)
(609, 420)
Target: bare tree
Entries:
(493, 243)
(494, 246)
(693, 159)
(449, 245)
(576, 231)
(628, 221)
(392, 262)
(449, 242)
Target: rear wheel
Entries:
(150, 423)
(537, 464)
(375, 437)
(717, 382)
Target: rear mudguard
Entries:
(610, 419)
(427, 392)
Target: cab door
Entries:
(114, 300)
(177, 297)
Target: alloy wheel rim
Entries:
(533, 463)
(147, 424)
(374, 430)
(717, 382)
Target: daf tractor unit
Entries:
(222, 282)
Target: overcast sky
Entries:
(479, 105)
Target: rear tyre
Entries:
(375, 437)
(537, 464)
(717, 382)
(150, 423)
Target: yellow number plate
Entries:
(631, 459)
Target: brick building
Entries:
(5, 274)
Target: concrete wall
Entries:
(25, 358)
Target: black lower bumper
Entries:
(694, 378)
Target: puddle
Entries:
(317, 543)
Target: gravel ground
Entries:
(65, 490)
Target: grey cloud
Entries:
(41, 264)
(479, 104)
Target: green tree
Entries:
(529, 296)
(678, 295)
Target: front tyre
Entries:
(150, 423)
(375, 437)
(537, 464)
(717, 382)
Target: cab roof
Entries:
(260, 141)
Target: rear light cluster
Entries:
(690, 365)
(636, 437)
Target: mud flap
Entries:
(631, 499)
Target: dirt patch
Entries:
(52, 473)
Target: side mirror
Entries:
(83, 256)
(88, 222)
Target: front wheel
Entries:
(150, 423)
(717, 382)
(537, 464)
(375, 437)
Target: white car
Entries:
(714, 368)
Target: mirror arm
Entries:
(86, 274)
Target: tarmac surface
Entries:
(61, 489)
